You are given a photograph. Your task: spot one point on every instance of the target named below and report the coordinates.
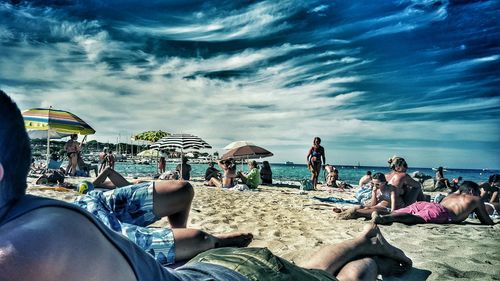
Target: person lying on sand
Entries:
(454, 208)
(130, 208)
(46, 239)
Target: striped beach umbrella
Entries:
(55, 121)
(182, 142)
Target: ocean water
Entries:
(296, 172)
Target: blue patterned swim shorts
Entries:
(129, 210)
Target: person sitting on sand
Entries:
(186, 169)
(455, 184)
(210, 173)
(366, 179)
(332, 175)
(385, 197)
(454, 208)
(229, 169)
(252, 178)
(266, 174)
(411, 189)
(489, 190)
(441, 181)
(47, 239)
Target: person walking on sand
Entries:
(72, 236)
(315, 159)
(454, 208)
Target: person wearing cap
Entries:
(186, 169)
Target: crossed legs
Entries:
(362, 258)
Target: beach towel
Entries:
(364, 195)
(336, 200)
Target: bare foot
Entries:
(234, 239)
(378, 219)
(347, 214)
(337, 210)
(380, 247)
(388, 266)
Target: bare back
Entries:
(461, 205)
(43, 244)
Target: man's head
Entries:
(368, 173)
(74, 136)
(15, 151)
(494, 180)
(469, 187)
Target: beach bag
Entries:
(306, 184)
(56, 177)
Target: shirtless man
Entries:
(45, 239)
(367, 178)
(72, 147)
(454, 208)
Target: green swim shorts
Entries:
(260, 264)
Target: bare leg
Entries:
(371, 243)
(116, 179)
(363, 269)
(358, 212)
(190, 242)
(173, 199)
(74, 162)
(408, 219)
(215, 182)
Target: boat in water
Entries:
(290, 163)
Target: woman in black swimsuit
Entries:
(315, 155)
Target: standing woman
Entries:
(314, 157)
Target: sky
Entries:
(372, 79)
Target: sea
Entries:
(296, 172)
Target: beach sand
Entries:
(294, 226)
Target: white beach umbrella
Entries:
(182, 142)
(236, 144)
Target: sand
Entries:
(294, 226)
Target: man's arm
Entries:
(482, 214)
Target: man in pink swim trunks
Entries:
(454, 208)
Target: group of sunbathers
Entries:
(396, 197)
(104, 235)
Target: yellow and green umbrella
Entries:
(53, 120)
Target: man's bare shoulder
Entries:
(50, 243)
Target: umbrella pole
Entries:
(182, 157)
(48, 147)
